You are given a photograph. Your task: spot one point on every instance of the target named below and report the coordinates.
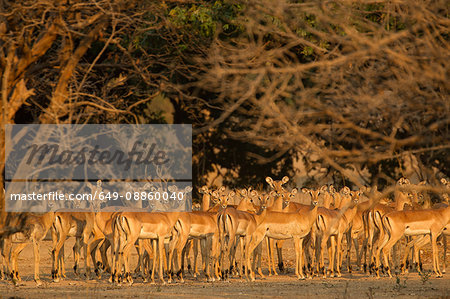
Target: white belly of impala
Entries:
(147, 235)
(415, 231)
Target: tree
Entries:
(348, 85)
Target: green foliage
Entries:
(204, 19)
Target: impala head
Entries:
(277, 185)
(327, 196)
(288, 197)
(314, 195)
(446, 184)
(172, 188)
(204, 190)
(225, 198)
(331, 190)
(355, 196)
(403, 181)
(264, 201)
(345, 191)
(246, 203)
(214, 196)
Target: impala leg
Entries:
(36, 261)
(94, 245)
(300, 261)
(332, 255)
(161, 258)
(14, 255)
(6, 253)
(323, 246)
(195, 250)
(124, 254)
(103, 253)
(370, 243)
(349, 248)
(297, 257)
(258, 253)
(87, 252)
(444, 240)
(364, 255)
(358, 253)
(339, 254)
(269, 261)
(437, 270)
(208, 247)
(215, 254)
(256, 238)
(183, 255)
(76, 255)
(56, 254)
(241, 262)
(148, 249)
(389, 241)
(279, 246)
(204, 254)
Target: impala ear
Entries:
(346, 190)
(231, 194)
(294, 191)
(305, 190)
(215, 194)
(444, 181)
(324, 188)
(363, 189)
(269, 181)
(243, 192)
(187, 189)
(331, 188)
(272, 193)
(221, 189)
(285, 179)
(253, 193)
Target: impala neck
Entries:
(327, 200)
(215, 208)
(277, 205)
(260, 216)
(401, 199)
(206, 199)
(351, 212)
(48, 219)
(245, 205)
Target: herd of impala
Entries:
(163, 240)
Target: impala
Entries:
(331, 225)
(128, 227)
(26, 228)
(283, 226)
(275, 204)
(412, 223)
(374, 223)
(72, 224)
(235, 223)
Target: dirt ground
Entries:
(354, 285)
